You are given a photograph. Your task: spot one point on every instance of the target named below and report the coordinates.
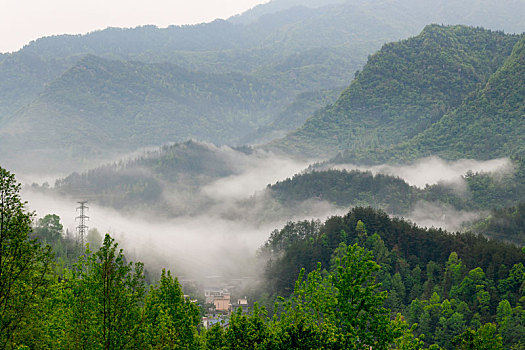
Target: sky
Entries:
(22, 21)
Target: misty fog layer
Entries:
(229, 218)
(225, 222)
(434, 170)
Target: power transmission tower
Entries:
(82, 228)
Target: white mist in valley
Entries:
(227, 219)
(217, 239)
(258, 171)
(434, 170)
(426, 214)
(190, 246)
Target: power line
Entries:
(82, 228)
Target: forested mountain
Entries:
(490, 123)
(303, 244)
(100, 105)
(404, 89)
(504, 223)
(479, 192)
(274, 6)
(366, 279)
(140, 182)
(290, 48)
(278, 53)
(401, 286)
(347, 189)
(23, 77)
(444, 282)
(278, 44)
(172, 182)
(293, 116)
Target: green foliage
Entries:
(248, 331)
(24, 264)
(493, 113)
(339, 310)
(504, 223)
(171, 319)
(360, 310)
(216, 82)
(139, 182)
(103, 299)
(404, 89)
(396, 197)
(49, 229)
(466, 277)
(484, 338)
(164, 84)
(348, 189)
(471, 295)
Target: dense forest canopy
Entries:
(402, 287)
(407, 88)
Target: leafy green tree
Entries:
(343, 309)
(214, 338)
(407, 340)
(49, 229)
(249, 331)
(454, 269)
(511, 324)
(103, 298)
(474, 290)
(485, 338)
(361, 315)
(450, 324)
(171, 319)
(24, 264)
(503, 315)
(396, 293)
(361, 232)
(308, 319)
(515, 283)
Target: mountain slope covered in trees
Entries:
(404, 89)
(289, 48)
(504, 223)
(476, 192)
(443, 282)
(100, 105)
(140, 182)
(490, 123)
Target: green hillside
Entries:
(140, 182)
(403, 89)
(100, 105)
(293, 115)
(504, 224)
(489, 124)
(443, 282)
(23, 77)
(345, 189)
(356, 281)
(285, 46)
(278, 46)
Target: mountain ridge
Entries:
(403, 89)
